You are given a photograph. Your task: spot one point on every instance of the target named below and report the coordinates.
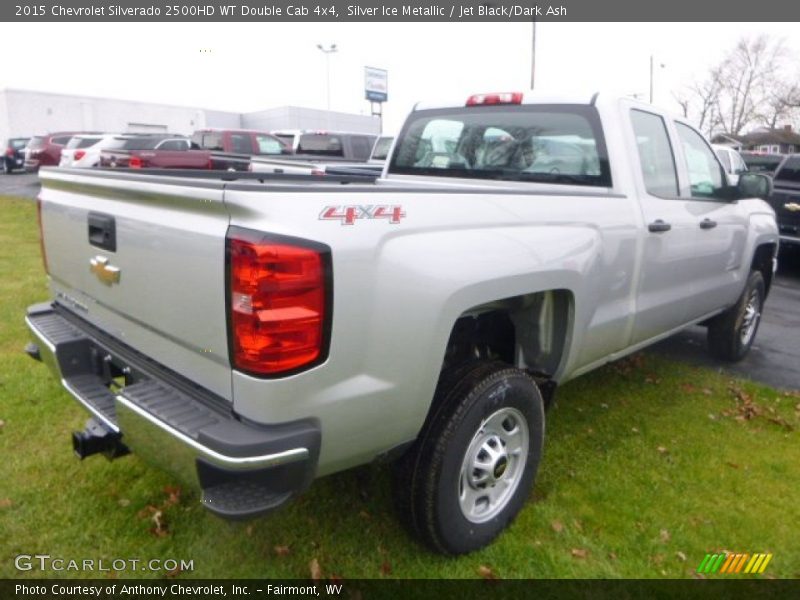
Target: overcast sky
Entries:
(252, 66)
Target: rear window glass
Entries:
(36, 142)
(18, 143)
(381, 149)
(82, 142)
(762, 163)
(207, 140)
(320, 144)
(545, 143)
(790, 171)
(61, 140)
(286, 138)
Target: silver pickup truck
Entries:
(252, 332)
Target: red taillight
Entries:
(79, 154)
(278, 299)
(41, 233)
(501, 98)
(135, 162)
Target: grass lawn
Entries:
(648, 466)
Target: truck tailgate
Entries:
(145, 262)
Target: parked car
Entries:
(330, 145)
(45, 150)
(159, 150)
(785, 199)
(731, 161)
(84, 150)
(14, 154)
(758, 162)
(244, 142)
(253, 335)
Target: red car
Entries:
(45, 150)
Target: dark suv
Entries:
(45, 150)
(14, 154)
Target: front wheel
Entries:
(731, 334)
(471, 470)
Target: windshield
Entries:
(543, 143)
(320, 144)
(142, 143)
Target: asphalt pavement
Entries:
(774, 358)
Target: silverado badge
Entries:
(792, 206)
(105, 272)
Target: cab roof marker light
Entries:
(495, 98)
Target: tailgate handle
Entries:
(102, 231)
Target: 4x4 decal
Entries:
(348, 214)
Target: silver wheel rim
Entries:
(752, 313)
(493, 465)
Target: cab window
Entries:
(706, 178)
(655, 154)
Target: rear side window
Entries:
(381, 149)
(320, 144)
(706, 178)
(82, 142)
(543, 143)
(61, 140)
(178, 145)
(268, 145)
(790, 171)
(36, 143)
(143, 143)
(655, 154)
(241, 144)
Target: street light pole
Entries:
(662, 65)
(327, 52)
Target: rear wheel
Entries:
(6, 167)
(472, 468)
(731, 334)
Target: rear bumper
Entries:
(243, 469)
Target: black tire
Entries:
(731, 334)
(473, 403)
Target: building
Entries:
(765, 140)
(24, 113)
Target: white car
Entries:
(732, 162)
(83, 151)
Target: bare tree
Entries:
(752, 85)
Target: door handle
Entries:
(659, 226)
(707, 224)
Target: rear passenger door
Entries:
(720, 226)
(668, 270)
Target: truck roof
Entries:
(528, 97)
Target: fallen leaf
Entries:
(5, 502)
(612, 555)
(283, 551)
(386, 568)
(174, 572)
(604, 405)
(173, 496)
(557, 526)
(486, 572)
(681, 556)
(580, 553)
(712, 417)
(635, 429)
(316, 571)
(249, 530)
(364, 514)
(732, 465)
(2, 423)
(124, 502)
(577, 525)
(664, 535)
(662, 450)
(707, 391)
(688, 388)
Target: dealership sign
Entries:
(376, 84)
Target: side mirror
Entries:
(754, 185)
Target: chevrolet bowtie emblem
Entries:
(104, 271)
(792, 206)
